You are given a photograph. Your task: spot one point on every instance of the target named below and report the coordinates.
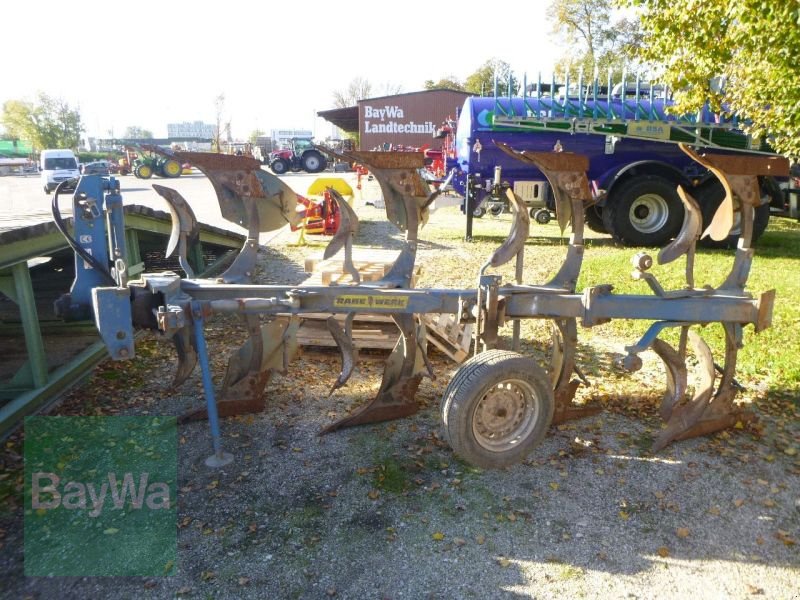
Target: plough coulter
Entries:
(500, 403)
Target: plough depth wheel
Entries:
(497, 408)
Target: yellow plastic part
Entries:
(317, 187)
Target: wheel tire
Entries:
(644, 211)
(279, 166)
(483, 389)
(709, 196)
(479, 211)
(47, 190)
(171, 168)
(313, 162)
(593, 217)
(143, 171)
(542, 216)
(496, 210)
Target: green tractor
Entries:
(148, 163)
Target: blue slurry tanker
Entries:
(632, 144)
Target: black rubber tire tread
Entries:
(470, 382)
(617, 209)
(322, 162)
(593, 218)
(284, 166)
(709, 196)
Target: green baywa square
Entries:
(100, 496)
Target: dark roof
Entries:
(345, 119)
(465, 94)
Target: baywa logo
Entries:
(100, 496)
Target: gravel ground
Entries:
(387, 511)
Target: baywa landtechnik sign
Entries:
(392, 119)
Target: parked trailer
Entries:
(633, 168)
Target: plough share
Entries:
(500, 403)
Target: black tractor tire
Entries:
(709, 196)
(143, 171)
(279, 166)
(171, 168)
(497, 408)
(593, 217)
(644, 211)
(313, 162)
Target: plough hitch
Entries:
(499, 404)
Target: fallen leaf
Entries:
(756, 591)
(480, 540)
(243, 580)
(503, 562)
(663, 552)
(438, 536)
(682, 532)
(623, 515)
(790, 451)
(111, 531)
(374, 494)
(207, 575)
(459, 541)
(553, 486)
(660, 495)
(738, 502)
(714, 510)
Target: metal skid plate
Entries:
(113, 317)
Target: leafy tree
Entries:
(358, 89)
(596, 44)
(138, 133)
(449, 82)
(481, 82)
(222, 128)
(752, 45)
(46, 123)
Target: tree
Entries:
(46, 123)
(449, 82)
(358, 89)
(751, 45)
(222, 129)
(596, 44)
(137, 133)
(254, 135)
(481, 82)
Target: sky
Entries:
(148, 63)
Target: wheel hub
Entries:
(649, 213)
(505, 415)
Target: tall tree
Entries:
(222, 128)
(358, 89)
(135, 132)
(46, 123)
(596, 43)
(449, 82)
(481, 82)
(751, 45)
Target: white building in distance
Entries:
(194, 129)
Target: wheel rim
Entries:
(145, 172)
(312, 163)
(505, 415)
(478, 211)
(649, 213)
(172, 168)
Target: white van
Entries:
(57, 166)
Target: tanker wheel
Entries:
(171, 168)
(542, 216)
(644, 211)
(143, 171)
(497, 408)
(478, 211)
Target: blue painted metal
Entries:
(208, 385)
